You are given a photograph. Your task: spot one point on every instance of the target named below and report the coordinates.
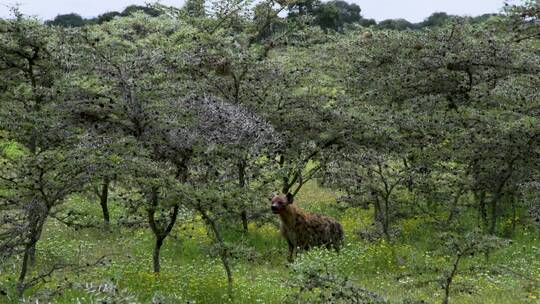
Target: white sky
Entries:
(412, 10)
(418, 10)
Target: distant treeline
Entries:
(333, 15)
(75, 20)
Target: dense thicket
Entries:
(199, 113)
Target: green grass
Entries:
(11, 149)
(406, 269)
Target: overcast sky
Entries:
(412, 10)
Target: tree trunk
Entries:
(242, 184)
(36, 237)
(103, 201)
(386, 222)
(24, 269)
(381, 215)
(454, 208)
(39, 214)
(481, 198)
(160, 233)
(494, 215)
(450, 278)
(285, 180)
(514, 215)
(155, 255)
(36, 227)
(228, 270)
(244, 221)
(223, 251)
(377, 214)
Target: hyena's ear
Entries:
(290, 198)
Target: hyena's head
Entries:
(280, 202)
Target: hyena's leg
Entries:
(337, 246)
(291, 251)
(337, 239)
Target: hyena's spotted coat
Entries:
(304, 230)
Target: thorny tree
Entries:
(42, 162)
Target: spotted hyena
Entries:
(304, 230)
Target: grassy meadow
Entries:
(408, 270)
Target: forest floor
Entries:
(408, 270)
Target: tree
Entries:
(137, 8)
(140, 108)
(367, 22)
(483, 18)
(294, 100)
(328, 15)
(265, 21)
(234, 131)
(195, 8)
(396, 24)
(436, 19)
(348, 12)
(50, 166)
(106, 17)
(523, 20)
(462, 247)
(67, 20)
(299, 8)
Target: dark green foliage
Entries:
(436, 19)
(367, 22)
(328, 15)
(483, 18)
(137, 8)
(396, 24)
(302, 7)
(523, 21)
(336, 14)
(75, 20)
(348, 12)
(106, 17)
(67, 20)
(328, 288)
(195, 8)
